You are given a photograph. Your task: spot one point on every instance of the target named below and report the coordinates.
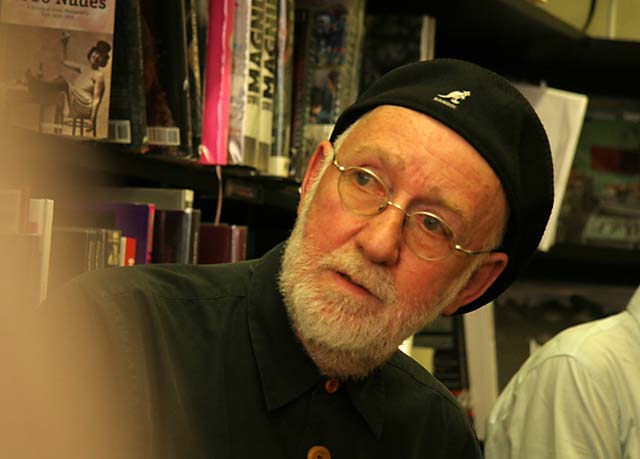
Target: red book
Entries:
(127, 251)
(215, 123)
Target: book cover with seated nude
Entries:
(55, 65)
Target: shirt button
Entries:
(318, 452)
(331, 386)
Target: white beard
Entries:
(348, 337)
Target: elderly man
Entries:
(430, 196)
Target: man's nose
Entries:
(381, 239)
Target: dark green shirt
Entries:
(209, 366)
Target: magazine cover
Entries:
(55, 66)
(601, 206)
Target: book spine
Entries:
(195, 236)
(218, 83)
(195, 77)
(127, 112)
(279, 158)
(301, 82)
(268, 69)
(239, 81)
(167, 77)
(172, 236)
(41, 216)
(332, 63)
(254, 84)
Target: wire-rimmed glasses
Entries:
(426, 234)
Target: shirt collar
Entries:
(286, 371)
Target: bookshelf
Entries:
(512, 37)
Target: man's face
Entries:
(353, 288)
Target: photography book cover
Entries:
(55, 65)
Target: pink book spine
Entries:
(215, 123)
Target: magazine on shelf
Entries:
(601, 206)
(279, 159)
(328, 55)
(562, 115)
(217, 88)
(239, 82)
(55, 66)
(251, 127)
(268, 82)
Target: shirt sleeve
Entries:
(557, 409)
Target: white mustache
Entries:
(373, 278)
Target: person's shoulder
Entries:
(167, 281)
(414, 395)
(588, 340)
(407, 375)
(593, 349)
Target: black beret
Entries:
(496, 119)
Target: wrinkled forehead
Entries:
(404, 138)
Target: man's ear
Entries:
(323, 149)
(481, 279)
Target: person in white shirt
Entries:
(576, 397)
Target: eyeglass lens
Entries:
(365, 194)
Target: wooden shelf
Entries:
(62, 166)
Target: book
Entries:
(172, 232)
(127, 254)
(562, 115)
(239, 82)
(127, 107)
(196, 220)
(268, 84)
(196, 91)
(166, 77)
(112, 247)
(331, 33)
(251, 126)
(217, 83)
(202, 13)
(58, 80)
(162, 198)
(222, 243)
(73, 252)
(41, 224)
(135, 220)
(279, 158)
(391, 41)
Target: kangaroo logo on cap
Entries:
(453, 98)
